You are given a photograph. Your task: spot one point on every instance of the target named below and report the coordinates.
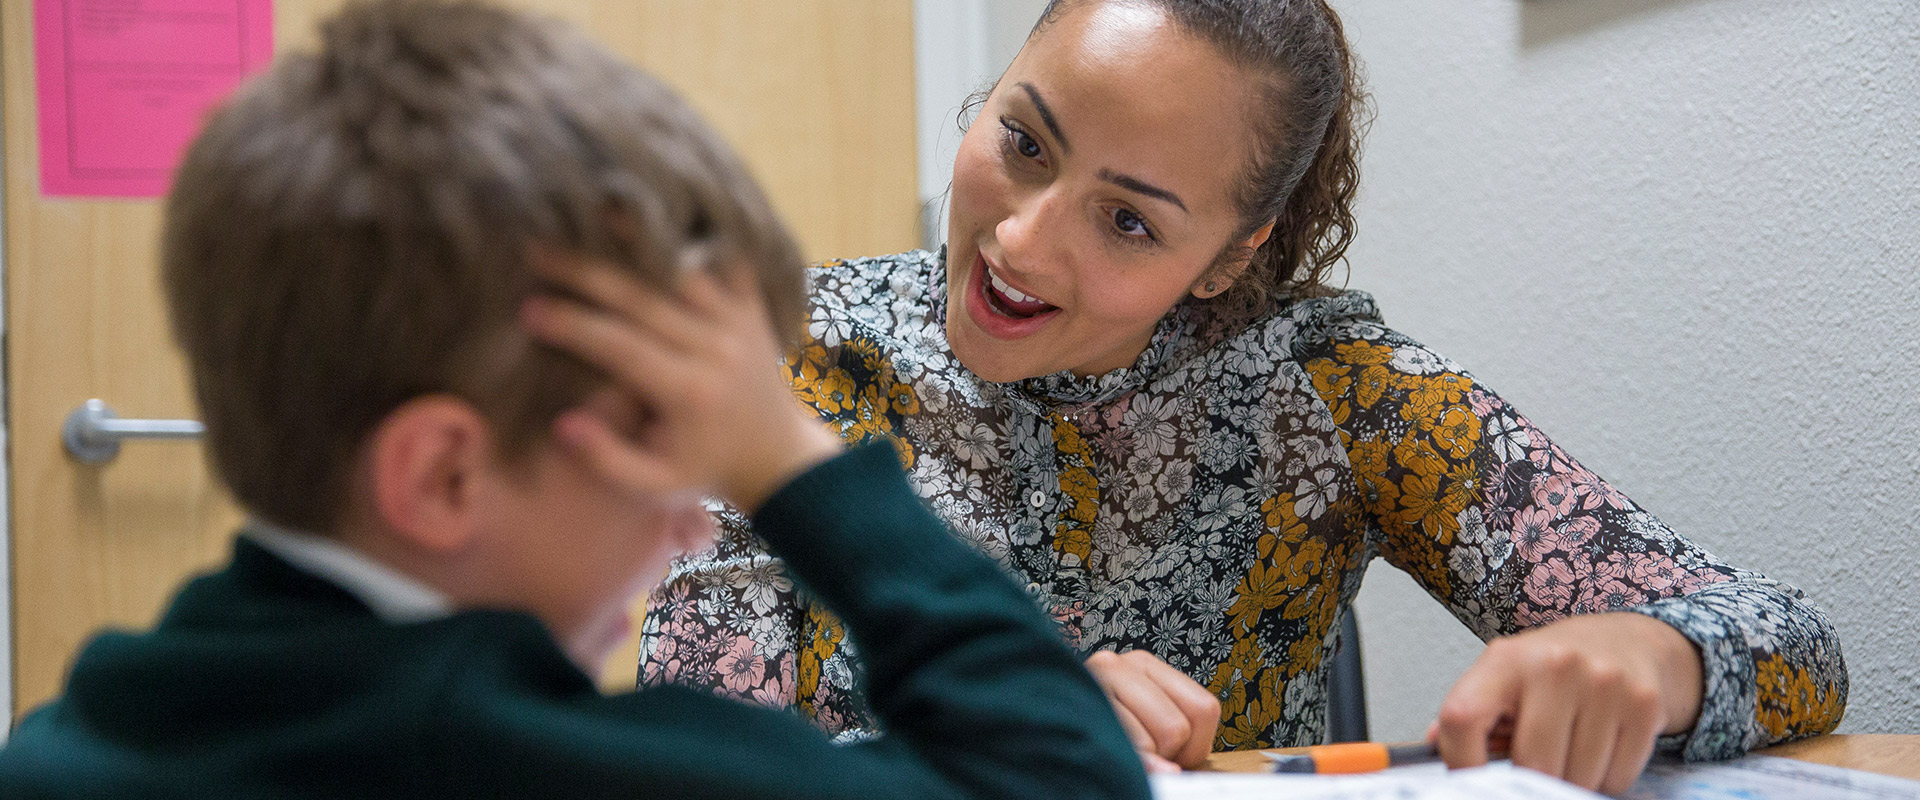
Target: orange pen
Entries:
(1351, 757)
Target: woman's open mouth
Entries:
(1001, 310)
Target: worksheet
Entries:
(1496, 781)
(1767, 778)
(1750, 778)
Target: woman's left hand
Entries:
(1583, 699)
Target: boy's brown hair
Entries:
(353, 230)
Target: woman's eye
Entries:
(1131, 224)
(1026, 145)
(1020, 143)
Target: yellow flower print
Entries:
(1455, 431)
(1281, 519)
(1331, 382)
(824, 634)
(902, 396)
(1790, 703)
(1244, 716)
(832, 392)
(1419, 458)
(1074, 535)
(1362, 353)
(1373, 383)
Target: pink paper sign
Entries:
(124, 85)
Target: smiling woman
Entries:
(1125, 379)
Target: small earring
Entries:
(1210, 286)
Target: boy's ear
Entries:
(426, 460)
(1216, 281)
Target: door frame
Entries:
(6, 477)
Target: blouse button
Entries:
(1037, 499)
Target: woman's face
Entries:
(1092, 193)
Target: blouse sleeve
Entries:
(731, 621)
(725, 620)
(1509, 531)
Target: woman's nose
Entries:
(1023, 232)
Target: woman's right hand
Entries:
(1169, 716)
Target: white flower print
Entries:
(1174, 480)
(1507, 437)
(1418, 361)
(1141, 503)
(761, 584)
(1315, 493)
(976, 444)
(1218, 510)
(1150, 419)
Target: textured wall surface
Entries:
(1683, 236)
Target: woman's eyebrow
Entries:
(1133, 184)
(1046, 116)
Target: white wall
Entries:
(1684, 237)
(959, 46)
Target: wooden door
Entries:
(816, 95)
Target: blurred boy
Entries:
(451, 516)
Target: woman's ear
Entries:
(425, 463)
(1220, 278)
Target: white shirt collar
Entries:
(393, 595)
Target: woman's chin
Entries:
(984, 357)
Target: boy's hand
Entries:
(715, 413)
(1169, 716)
(1582, 699)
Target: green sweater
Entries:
(264, 681)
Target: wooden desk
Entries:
(1888, 754)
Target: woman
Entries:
(1125, 379)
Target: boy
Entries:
(361, 249)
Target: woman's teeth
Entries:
(1012, 294)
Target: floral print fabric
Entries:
(1217, 504)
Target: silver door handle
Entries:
(93, 432)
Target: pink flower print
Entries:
(1576, 532)
(1552, 584)
(779, 691)
(1595, 493)
(1482, 403)
(1533, 534)
(662, 661)
(741, 669)
(1610, 586)
(1554, 492)
(1660, 576)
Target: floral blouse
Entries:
(1217, 504)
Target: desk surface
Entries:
(1888, 754)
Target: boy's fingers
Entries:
(619, 459)
(636, 360)
(622, 294)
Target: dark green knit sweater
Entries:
(264, 681)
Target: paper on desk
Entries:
(1767, 778)
(1497, 781)
(1750, 778)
